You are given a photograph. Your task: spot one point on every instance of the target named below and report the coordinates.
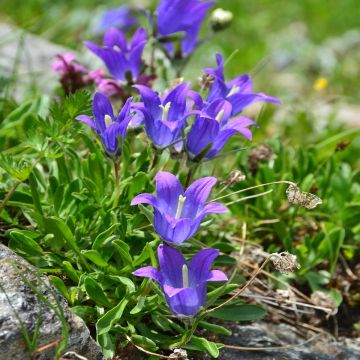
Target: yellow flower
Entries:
(321, 84)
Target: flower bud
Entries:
(220, 19)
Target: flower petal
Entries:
(86, 120)
(149, 272)
(214, 208)
(217, 275)
(177, 98)
(171, 263)
(114, 37)
(124, 117)
(201, 263)
(168, 190)
(144, 199)
(240, 101)
(151, 100)
(200, 189)
(187, 301)
(102, 107)
(202, 133)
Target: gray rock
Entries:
(18, 302)
(272, 335)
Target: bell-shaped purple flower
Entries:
(120, 18)
(183, 283)
(165, 116)
(105, 124)
(120, 57)
(178, 214)
(213, 129)
(182, 16)
(239, 91)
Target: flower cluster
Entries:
(196, 126)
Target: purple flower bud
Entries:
(183, 283)
(178, 213)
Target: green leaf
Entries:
(216, 329)
(71, 272)
(95, 257)
(139, 306)
(106, 322)
(85, 312)
(246, 312)
(204, 344)
(124, 251)
(59, 284)
(102, 237)
(21, 242)
(95, 292)
(144, 342)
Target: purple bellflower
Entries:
(213, 129)
(178, 214)
(182, 16)
(239, 91)
(120, 57)
(183, 283)
(120, 18)
(105, 124)
(165, 116)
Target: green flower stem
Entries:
(117, 183)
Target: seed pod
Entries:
(285, 262)
(297, 197)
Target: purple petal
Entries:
(86, 120)
(102, 107)
(149, 272)
(114, 37)
(196, 98)
(135, 59)
(201, 263)
(171, 291)
(217, 275)
(240, 101)
(144, 199)
(202, 133)
(214, 208)
(151, 100)
(188, 301)
(138, 37)
(171, 263)
(168, 190)
(243, 82)
(177, 98)
(217, 106)
(124, 117)
(170, 229)
(200, 189)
